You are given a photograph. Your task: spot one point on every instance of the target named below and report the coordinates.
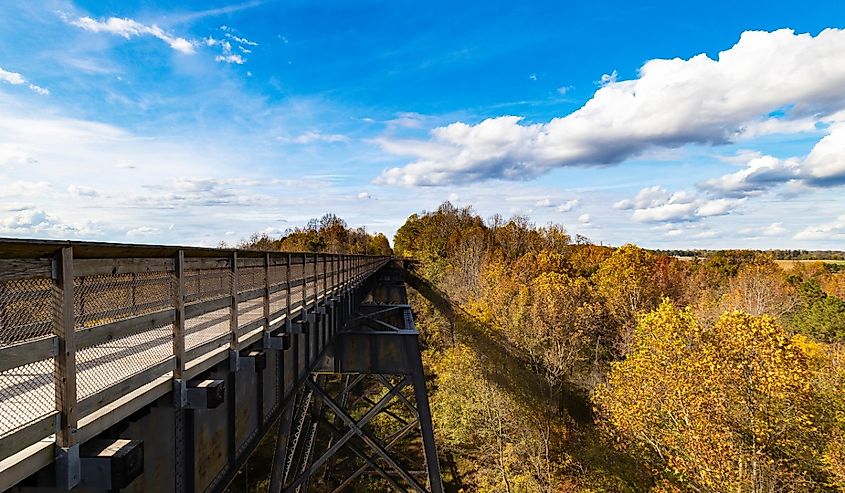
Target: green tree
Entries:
(819, 315)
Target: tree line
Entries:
(796, 254)
(329, 234)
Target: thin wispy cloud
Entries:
(227, 53)
(130, 28)
(17, 79)
(216, 12)
(313, 136)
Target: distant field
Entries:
(790, 264)
(784, 264)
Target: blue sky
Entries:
(667, 124)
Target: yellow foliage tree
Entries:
(626, 281)
(733, 408)
(509, 445)
(565, 324)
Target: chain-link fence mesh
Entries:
(204, 285)
(205, 327)
(308, 284)
(297, 274)
(296, 269)
(278, 300)
(27, 393)
(103, 365)
(103, 299)
(250, 311)
(295, 298)
(28, 312)
(250, 278)
(207, 284)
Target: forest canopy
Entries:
(559, 365)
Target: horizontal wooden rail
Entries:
(122, 328)
(24, 353)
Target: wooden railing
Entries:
(85, 326)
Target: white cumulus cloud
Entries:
(798, 77)
(569, 205)
(824, 166)
(774, 229)
(656, 204)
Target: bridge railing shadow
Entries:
(512, 372)
(506, 367)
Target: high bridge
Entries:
(146, 368)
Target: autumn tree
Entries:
(326, 234)
(627, 282)
(732, 408)
(378, 245)
(565, 328)
(835, 284)
(511, 448)
(760, 288)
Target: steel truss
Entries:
(363, 408)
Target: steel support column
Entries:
(375, 343)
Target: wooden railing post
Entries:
(303, 313)
(304, 283)
(345, 271)
(334, 273)
(266, 291)
(324, 323)
(288, 325)
(316, 282)
(325, 278)
(67, 463)
(179, 323)
(233, 315)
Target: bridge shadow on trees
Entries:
(511, 372)
(505, 366)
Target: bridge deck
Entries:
(139, 315)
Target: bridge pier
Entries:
(378, 343)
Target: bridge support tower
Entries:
(364, 406)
